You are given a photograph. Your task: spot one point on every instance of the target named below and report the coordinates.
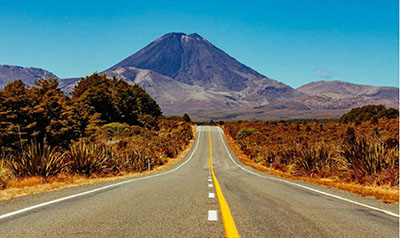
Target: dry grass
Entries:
(18, 187)
(388, 194)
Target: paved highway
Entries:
(208, 194)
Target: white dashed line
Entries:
(209, 180)
(210, 185)
(212, 215)
(211, 195)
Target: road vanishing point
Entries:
(210, 193)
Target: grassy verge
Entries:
(17, 187)
(389, 194)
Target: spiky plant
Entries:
(370, 157)
(38, 160)
(314, 160)
(87, 159)
(5, 173)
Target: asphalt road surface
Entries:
(184, 201)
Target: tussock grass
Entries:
(111, 150)
(18, 187)
(350, 157)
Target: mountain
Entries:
(192, 60)
(10, 73)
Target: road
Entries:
(185, 201)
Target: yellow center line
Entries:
(227, 219)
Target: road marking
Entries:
(210, 185)
(209, 180)
(305, 187)
(211, 195)
(6, 215)
(227, 219)
(212, 215)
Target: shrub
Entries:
(116, 129)
(5, 173)
(368, 158)
(245, 132)
(38, 160)
(87, 159)
(367, 112)
(149, 122)
(314, 160)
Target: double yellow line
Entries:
(227, 219)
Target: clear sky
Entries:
(295, 42)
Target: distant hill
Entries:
(10, 73)
(341, 90)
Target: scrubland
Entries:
(361, 156)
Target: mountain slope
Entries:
(340, 90)
(173, 97)
(10, 73)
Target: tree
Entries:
(94, 93)
(114, 100)
(55, 120)
(15, 119)
(45, 114)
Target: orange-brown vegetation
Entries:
(361, 157)
(108, 127)
(22, 186)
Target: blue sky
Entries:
(295, 42)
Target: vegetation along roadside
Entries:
(107, 128)
(360, 153)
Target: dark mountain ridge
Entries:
(29, 75)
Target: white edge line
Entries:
(305, 187)
(6, 215)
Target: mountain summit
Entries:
(192, 60)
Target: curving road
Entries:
(185, 201)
